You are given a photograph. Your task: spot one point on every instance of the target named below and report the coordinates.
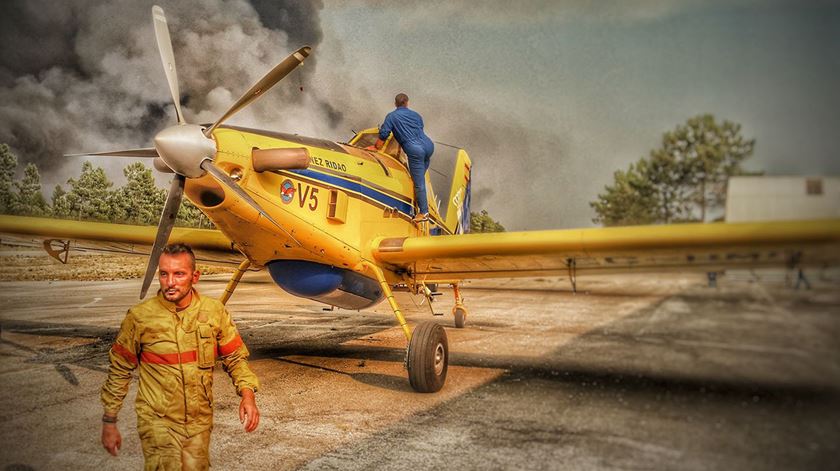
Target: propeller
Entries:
(188, 150)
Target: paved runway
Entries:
(635, 372)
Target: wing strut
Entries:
(572, 265)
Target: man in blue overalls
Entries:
(407, 126)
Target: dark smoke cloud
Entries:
(35, 38)
(80, 76)
(83, 75)
(295, 17)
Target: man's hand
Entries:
(111, 438)
(378, 145)
(248, 412)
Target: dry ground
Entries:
(633, 372)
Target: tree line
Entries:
(91, 196)
(684, 180)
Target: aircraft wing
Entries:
(677, 247)
(210, 246)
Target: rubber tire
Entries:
(421, 357)
(460, 317)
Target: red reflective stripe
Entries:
(168, 358)
(231, 346)
(125, 353)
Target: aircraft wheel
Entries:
(428, 357)
(460, 317)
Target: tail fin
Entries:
(456, 214)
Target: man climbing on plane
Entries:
(407, 126)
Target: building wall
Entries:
(763, 198)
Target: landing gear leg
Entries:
(427, 356)
(234, 280)
(459, 311)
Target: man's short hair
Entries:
(400, 100)
(179, 248)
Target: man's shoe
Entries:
(420, 217)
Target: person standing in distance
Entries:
(407, 126)
(175, 339)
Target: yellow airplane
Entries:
(332, 222)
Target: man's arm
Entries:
(386, 128)
(123, 361)
(234, 357)
(384, 132)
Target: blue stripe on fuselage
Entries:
(360, 188)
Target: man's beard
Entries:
(175, 297)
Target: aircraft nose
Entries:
(183, 148)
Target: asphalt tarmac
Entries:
(632, 372)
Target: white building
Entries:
(765, 198)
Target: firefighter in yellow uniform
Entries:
(175, 339)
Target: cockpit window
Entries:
(393, 148)
(366, 139)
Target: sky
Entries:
(548, 98)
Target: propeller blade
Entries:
(167, 221)
(168, 58)
(223, 178)
(148, 152)
(264, 84)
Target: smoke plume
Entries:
(80, 75)
(86, 76)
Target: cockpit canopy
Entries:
(368, 137)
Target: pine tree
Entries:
(484, 223)
(28, 200)
(684, 180)
(8, 165)
(90, 196)
(60, 205)
(629, 200)
(139, 201)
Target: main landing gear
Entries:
(427, 355)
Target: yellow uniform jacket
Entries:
(176, 352)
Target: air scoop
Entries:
(183, 147)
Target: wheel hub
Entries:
(440, 357)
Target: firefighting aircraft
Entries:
(332, 222)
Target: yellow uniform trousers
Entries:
(166, 449)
